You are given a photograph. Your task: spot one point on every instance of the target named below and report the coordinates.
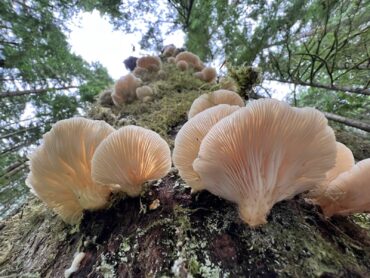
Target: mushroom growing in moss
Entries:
(182, 65)
(265, 153)
(150, 63)
(125, 89)
(191, 59)
(61, 168)
(144, 92)
(189, 138)
(349, 192)
(206, 101)
(208, 74)
(129, 157)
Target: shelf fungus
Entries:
(208, 74)
(189, 138)
(191, 59)
(349, 192)
(265, 153)
(61, 168)
(206, 101)
(144, 93)
(129, 157)
(125, 89)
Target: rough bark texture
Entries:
(186, 235)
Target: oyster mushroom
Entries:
(265, 153)
(61, 168)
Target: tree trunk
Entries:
(167, 232)
(347, 121)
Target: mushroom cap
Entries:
(129, 157)
(144, 91)
(189, 138)
(191, 59)
(344, 162)
(125, 89)
(206, 101)
(171, 60)
(182, 65)
(169, 50)
(209, 74)
(61, 168)
(349, 192)
(264, 153)
(139, 72)
(151, 63)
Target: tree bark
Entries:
(168, 232)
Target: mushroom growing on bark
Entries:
(129, 157)
(61, 168)
(206, 101)
(191, 59)
(265, 153)
(208, 74)
(144, 92)
(125, 89)
(349, 192)
(189, 138)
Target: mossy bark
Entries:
(167, 232)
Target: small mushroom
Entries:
(191, 59)
(206, 101)
(208, 74)
(189, 138)
(125, 89)
(150, 63)
(61, 168)
(129, 157)
(171, 60)
(144, 91)
(169, 50)
(349, 192)
(265, 153)
(182, 65)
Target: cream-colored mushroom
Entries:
(349, 192)
(150, 63)
(129, 157)
(171, 60)
(265, 153)
(189, 138)
(144, 91)
(61, 168)
(191, 59)
(206, 101)
(125, 89)
(208, 74)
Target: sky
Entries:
(93, 37)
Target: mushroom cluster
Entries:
(259, 155)
(81, 161)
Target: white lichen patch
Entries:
(78, 257)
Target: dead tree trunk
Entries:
(184, 235)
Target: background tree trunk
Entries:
(186, 235)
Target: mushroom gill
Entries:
(189, 138)
(61, 168)
(265, 153)
(129, 157)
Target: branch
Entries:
(34, 91)
(323, 86)
(347, 121)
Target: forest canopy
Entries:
(320, 47)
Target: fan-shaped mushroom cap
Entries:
(169, 50)
(208, 74)
(349, 192)
(61, 168)
(189, 138)
(144, 91)
(182, 65)
(191, 59)
(171, 60)
(129, 157)
(344, 162)
(206, 101)
(264, 153)
(151, 63)
(139, 72)
(125, 89)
